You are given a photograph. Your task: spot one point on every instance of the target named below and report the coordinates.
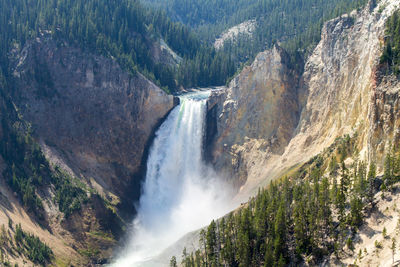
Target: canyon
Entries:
(96, 121)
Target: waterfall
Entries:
(180, 193)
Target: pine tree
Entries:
(371, 184)
(244, 238)
(203, 245)
(361, 184)
(345, 180)
(280, 245)
(211, 243)
(393, 248)
(356, 207)
(172, 262)
(185, 258)
(387, 175)
(324, 208)
(333, 166)
(269, 259)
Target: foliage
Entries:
(391, 168)
(69, 195)
(390, 58)
(124, 30)
(32, 247)
(28, 171)
(306, 216)
(207, 67)
(296, 24)
(173, 262)
(297, 217)
(378, 245)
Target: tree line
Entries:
(390, 59)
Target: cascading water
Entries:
(180, 193)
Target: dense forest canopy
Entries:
(295, 23)
(122, 29)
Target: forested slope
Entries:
(295, 23)
(307, 215)
(124, 30)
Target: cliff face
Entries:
(384, 117)
(337, 94)
(93, 120)
(259, 110)
(90, 116)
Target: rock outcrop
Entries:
(91, 117)
(163, 54)
(260, 109)
(384, 116)
(338, 93)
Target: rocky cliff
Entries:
(268, 121)
(95, 121)
(89, 115)
(259, 111)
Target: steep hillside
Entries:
(75, 132)
(297, 24)
(332, 211)
(259, 110)
(86, 112)
(336, 95)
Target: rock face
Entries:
(258, 123)
(259, 109)
(91, 117)
(244, 28)
(163, 54)
(384, 117)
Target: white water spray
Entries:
(180, 193)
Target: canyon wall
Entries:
(89, 115)
(265, 126)
(258, 111)
(95, 121)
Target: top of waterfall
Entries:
(198, 95)
(200, 89)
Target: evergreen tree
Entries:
(292, 217)
(387, 175)
(172, 263)
(211, 244)
(280, 245)
(371, 184)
